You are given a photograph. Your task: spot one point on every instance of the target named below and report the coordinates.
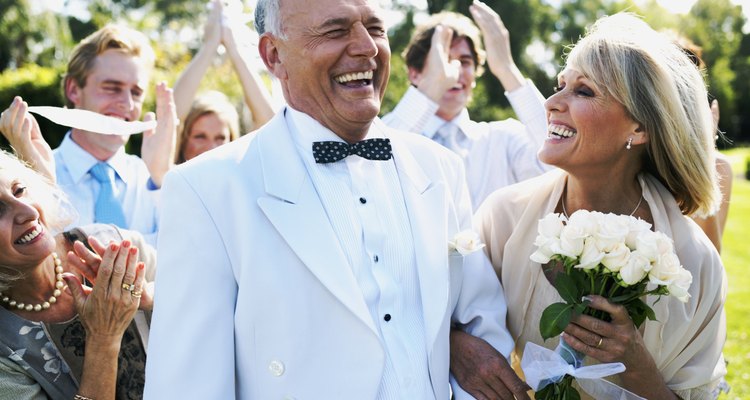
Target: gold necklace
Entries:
(52, 299)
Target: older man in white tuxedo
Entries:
(311, 259)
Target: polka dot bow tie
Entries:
(371, 149)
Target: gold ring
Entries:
(128, 286)
(136, 293)
(601, 339)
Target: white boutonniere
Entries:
(465, 242)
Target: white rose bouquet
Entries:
(614, 256)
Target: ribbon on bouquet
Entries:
(542, 366)
(91, 121)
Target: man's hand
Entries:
(497, 42)
(438, 74)
(158, 147)
(482, 371)
(22, 131)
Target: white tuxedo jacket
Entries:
(255, 298)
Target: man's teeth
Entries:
(31, 236)
(561, 131)
(354, 76)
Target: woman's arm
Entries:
(187, 84)
(256, 95)
(105, 312)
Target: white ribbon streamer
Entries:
(91, 121)
(540, 364)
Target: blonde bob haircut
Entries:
(55, 210)
(124, 39)
(211, 102)
(663, 90)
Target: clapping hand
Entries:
(106, 310)
(88, 263)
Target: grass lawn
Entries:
(736, 257)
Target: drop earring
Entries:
(630, 144)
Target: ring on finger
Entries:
(136, 293)
(128, 286)
(601, 339)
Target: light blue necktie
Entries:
(107, 210)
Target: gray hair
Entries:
(268, 18)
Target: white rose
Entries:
(666, 270)
(616, 258)
(636, 268)
(465, 242)
(647, 245)
(613, 229)
(571, 241)
(679, 287)
(544, 253)
(636, 226)
(551, 225)
(664, 244)
(585, 221)
(591, 255)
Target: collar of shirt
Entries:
(306, 130)
(462, 120)
(79, 161)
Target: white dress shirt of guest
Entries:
(444, 58)
(133, 188)
(496, 154)
(364, 203)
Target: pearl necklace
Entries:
(52, 299)
(637, 206)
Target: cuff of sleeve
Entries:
(415, 109)
(527, 102)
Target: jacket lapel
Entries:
(294, 208)
(426, 205)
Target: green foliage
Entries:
(38, 86)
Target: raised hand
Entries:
(22, 131)
(439, 74)
(158, 147)
(497, 43)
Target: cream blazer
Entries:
(255, 298)
(687, 339)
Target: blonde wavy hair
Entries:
(664, 91)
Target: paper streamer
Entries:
(542, 366)
(91, 121)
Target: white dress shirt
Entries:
(132, 187)
(496, 154)
(365, 205)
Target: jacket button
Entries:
(276, 368)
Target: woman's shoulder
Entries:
(514, 198)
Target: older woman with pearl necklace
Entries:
(631, 135)
(60, 339)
